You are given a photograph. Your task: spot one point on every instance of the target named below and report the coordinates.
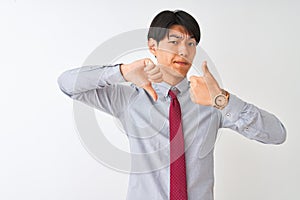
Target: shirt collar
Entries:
(164, 87)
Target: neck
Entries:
(171, 80)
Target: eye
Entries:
(173, 42)
(192, 44)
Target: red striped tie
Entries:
(178, 185)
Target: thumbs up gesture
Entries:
(142, 73)
(203, 89)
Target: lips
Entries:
(181, 62)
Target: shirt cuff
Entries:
(233, 109)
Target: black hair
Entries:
(165, 19)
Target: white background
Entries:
(254, 44)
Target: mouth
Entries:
(181, 63)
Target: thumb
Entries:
(205, 68)
(148, 87)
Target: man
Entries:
(161, 109)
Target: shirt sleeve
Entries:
(101, 87)
(252, 122)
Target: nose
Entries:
(182, 50)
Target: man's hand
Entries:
(142, 73)
(204, 89)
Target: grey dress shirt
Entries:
(147, 127)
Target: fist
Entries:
(142, 73)
(203, 89)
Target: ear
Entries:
(152, 44)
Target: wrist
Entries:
(124, 69)
(221, 100)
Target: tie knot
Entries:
(173, 93)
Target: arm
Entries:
(245, 118)
(252, 122)
(97, 86)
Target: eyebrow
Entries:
(179, 37)
(176, 36)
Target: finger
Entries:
(148, 61)
(149, 68)
(155, 78)
(193, 81)
(193, 78)
(150, 91)
(205, 68)
(208, 75)
(196, 81)
(152, 69)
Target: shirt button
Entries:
(228, 114)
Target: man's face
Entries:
(175, 53)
